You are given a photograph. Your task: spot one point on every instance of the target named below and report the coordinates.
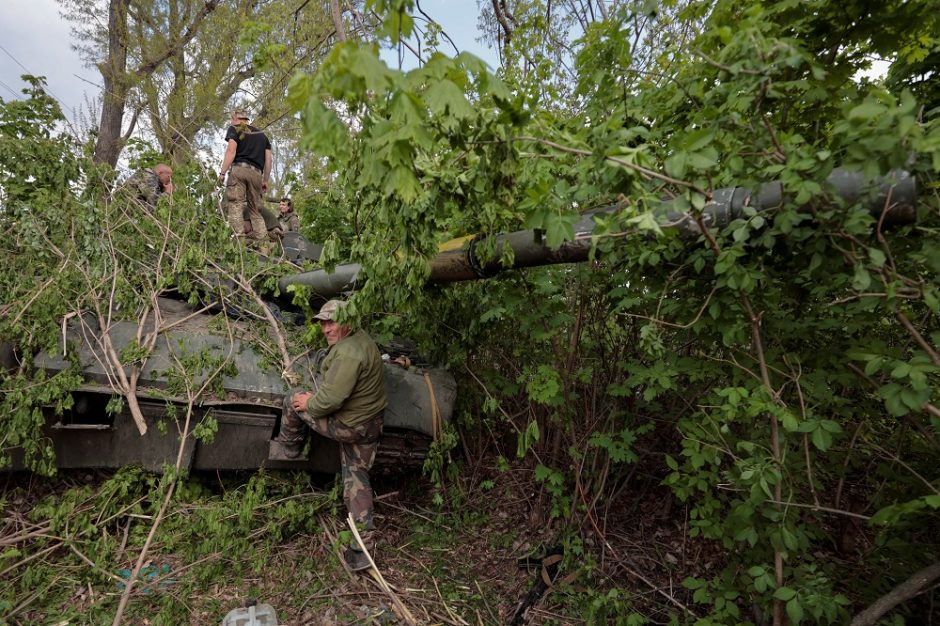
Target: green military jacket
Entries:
(353, 388)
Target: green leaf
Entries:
(866, 110)
(542, 472)
(789, 421)
(831, 426)
(703, 160)
(544, 386)
(646, 222)
(784, 593)
(698, 139)
(444, 97)
(931, 300)
(821, 439)
(861, 279)
(676, 165)
(914, 399)
(693, 583)
(559, 228)
(299, 90)
(901, 370)
(403, 183)
(366, 64)
(795, 611)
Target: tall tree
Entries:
(180, 62)
(247, 52)
(124, 58)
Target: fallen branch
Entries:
(902, 593)
(402, 609)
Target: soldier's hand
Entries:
(221, 180)
(299, 400)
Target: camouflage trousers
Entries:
(358, 445)
(243, 197)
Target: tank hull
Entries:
(229, 429)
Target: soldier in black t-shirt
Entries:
(247, 162)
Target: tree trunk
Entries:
(337, 20)
(114, 72)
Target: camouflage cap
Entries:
(241, 114)
(328, 310)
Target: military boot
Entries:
(283, 448)
(356, 559)
(290, 440)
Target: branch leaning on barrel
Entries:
(894, 204)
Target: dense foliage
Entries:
(777, 376)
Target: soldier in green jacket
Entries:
(347, 406)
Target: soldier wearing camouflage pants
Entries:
(347, 406)
(247, 162)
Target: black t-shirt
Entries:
(252, 144)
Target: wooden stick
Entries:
(405, 613)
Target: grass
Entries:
(67, 542)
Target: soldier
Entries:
(247, 162)
(148, 185)
(348, 407)
(288, 221)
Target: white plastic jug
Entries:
(252, 614)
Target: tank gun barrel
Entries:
(894, 203)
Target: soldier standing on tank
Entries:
(347, 406)
(148, 185)
(247, 162)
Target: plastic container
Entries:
(252, 614)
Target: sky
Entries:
(34, 39)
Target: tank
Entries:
(243, 411)
(234, 428)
